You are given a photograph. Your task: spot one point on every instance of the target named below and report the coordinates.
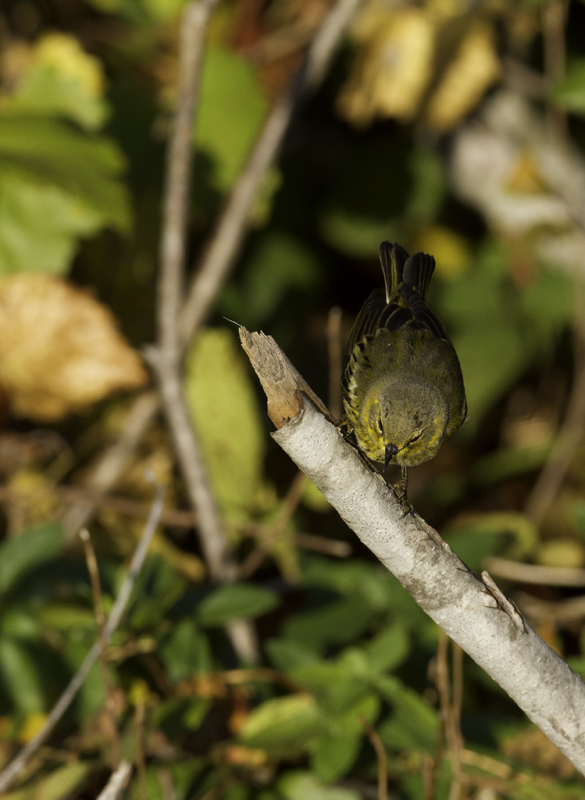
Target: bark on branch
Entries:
(473, 612)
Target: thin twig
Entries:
(222, 249)
(449, 712)
(534, 573)
(111, 464)
(18, 763)
(381, 757)
(100, 618)
(117, 783)
(166, 360)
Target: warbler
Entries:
(402, 386)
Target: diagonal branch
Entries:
(473, 612)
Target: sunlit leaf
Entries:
(225, 411)
(474, 68)
(285, 725)
(47, 151)
(58, 785)
(305, 786)
(233, 107)
(41, 226)
(60, 350)
(63, 80)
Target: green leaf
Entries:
(21, 675)
(50, 152)
(333, 758)
(570, 92)
(334, 686)
(389, 648)
(66, 617)
(236, 601)
(59, 784)
(186, 651)
(225, 411)
(21, 554)
(157, 590)
(45, 91)
(286, 655)
(41, 226)
(299, 785)
(413, 725)
(339, 622)
(91, 696)
(285, 725)
(232, 109)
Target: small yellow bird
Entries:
(402, 385)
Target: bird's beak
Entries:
(391, 451)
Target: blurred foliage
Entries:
(452, 128)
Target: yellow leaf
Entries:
(60, 350)
(393, 66)
(561, 553)
(65, 55)
(32, 725)
(474, 69)
(451, 251)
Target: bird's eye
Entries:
(416, 438)
(380, 427)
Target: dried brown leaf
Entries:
(60, 350)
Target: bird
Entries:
(402, 386)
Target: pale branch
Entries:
(17, 764)
(112, 462)
(117, 783)
(166, 359)
(472, 612)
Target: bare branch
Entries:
(16, 765)
(166, 360)
(470, 611)
(117, 783)
(112, 462)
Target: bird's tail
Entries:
(418, 272)
(393, 258)
(398, 267)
